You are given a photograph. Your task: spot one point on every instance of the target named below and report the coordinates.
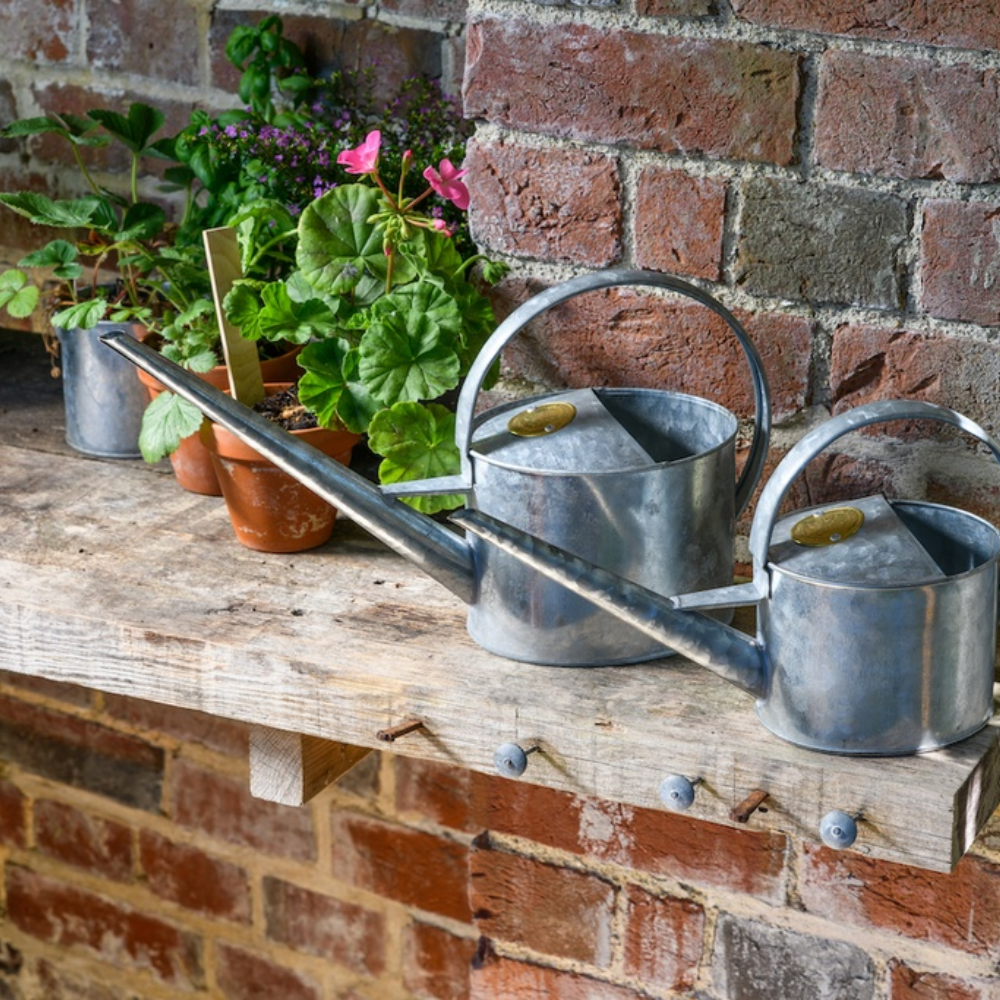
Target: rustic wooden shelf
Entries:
(113, 577)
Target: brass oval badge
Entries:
(541, 420)
(828, 527)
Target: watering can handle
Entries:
(592, 282)
(808, 447)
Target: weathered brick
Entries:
(960, 261)
(907, 118)
(59, 983)
(223, 735)
(753, 959)
(46, 34)
(549, 909)
(822, 244)
(436, 963)
(908, 984)
(441, 10)
(868, 364)
(624, 337)
(321, 925)
(91, 842)
(713, 97)
(222, 807)
(554, 204)
(410, 866)
(242, 975)
(663, 939)
(646, 839)
(968, 24)
(676, 8)
(12, 816)
(495, 977)
(960, 910)
(71, 694)
(82, 754)
(678, 223)
(186, 875)
(66, 916)
(127, 36)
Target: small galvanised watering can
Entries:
(637, 481)
(876, 620)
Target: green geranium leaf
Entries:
(417, 441)
(281, 318)
(17, 295)
(82, 315)
(407, 357)
(136, 129)
(242, 307)
(339, 249)
(165, 423)
(142, 221)
(329, 387)
(423, 298)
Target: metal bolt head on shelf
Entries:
(677, 792)
(838, 830)
(510, 760)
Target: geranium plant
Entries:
(387, 309)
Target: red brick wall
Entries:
(136, 865)
(826, 170)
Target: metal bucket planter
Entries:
(103, 399)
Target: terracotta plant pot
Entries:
(270, 511)
(191, 462)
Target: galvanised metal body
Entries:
(876, 620)
(103, 399)
(640, 482)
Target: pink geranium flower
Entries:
(446, 180)
(364, 158)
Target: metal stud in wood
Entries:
(511, 760)
(677, 792)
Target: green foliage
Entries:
(16, 295)
(391, 321)
(171, 419)
(417, 442)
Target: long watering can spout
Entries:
(441, 553)
(732, 655)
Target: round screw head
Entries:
(677, 792)
(510, 760)
(838, 830)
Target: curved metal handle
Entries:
(606, 279)
(808, 447)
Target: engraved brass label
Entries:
(541, 420)
(828, 527)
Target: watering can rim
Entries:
(708, 404)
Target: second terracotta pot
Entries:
(191, 462)
(270, 511)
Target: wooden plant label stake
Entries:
(242, 361)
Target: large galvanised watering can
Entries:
(641, 482)
(876, 620)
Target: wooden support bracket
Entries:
(290, 768)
